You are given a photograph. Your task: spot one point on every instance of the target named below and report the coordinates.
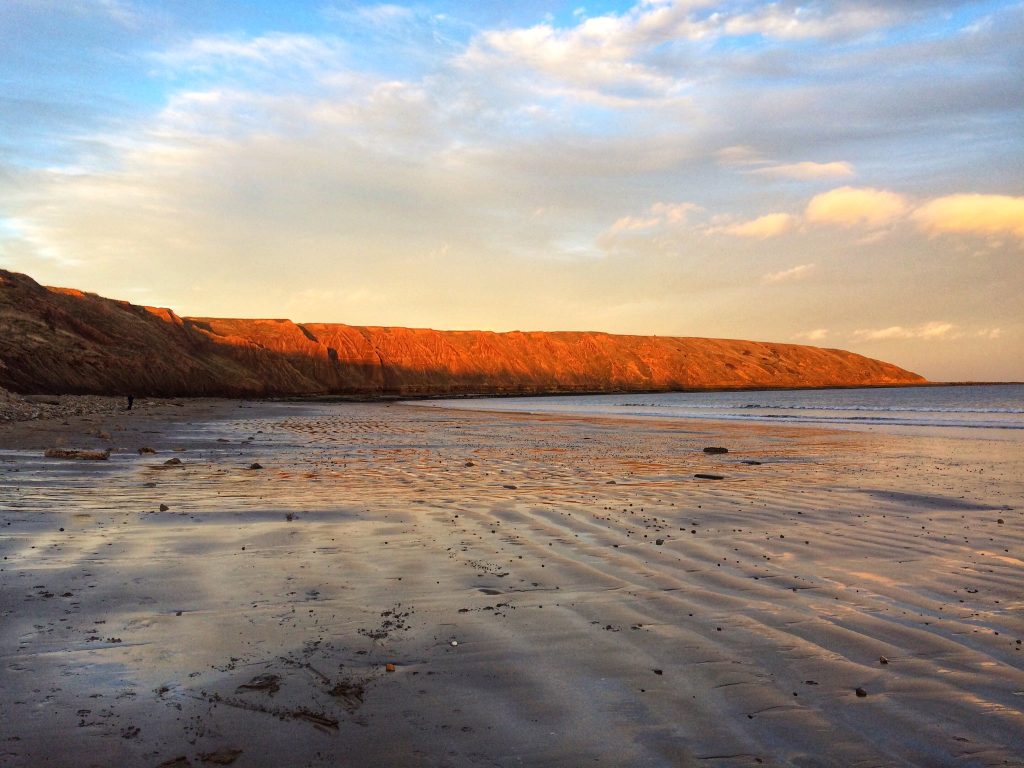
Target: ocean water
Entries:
(975, 406)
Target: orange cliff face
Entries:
(65, 341)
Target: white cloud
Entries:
(795, 273)
(287, 51)
(807, 170)
(972, 214)
(604, 58)
(852, 206)
(386, 13)
(805, 21)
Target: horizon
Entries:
(837, 174)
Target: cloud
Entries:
(386, 13)
(230, 52)
(746, 157)
(972, 214)
(739, 155)
(807, 170)
(851, 206)
(816, 334)
(933, 330)
(659, 214)
(634, 223)
(796, 273)
(785, 21)
(763, 227)
(600, 56)
(673, 213)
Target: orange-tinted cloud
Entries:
(659, 214)
(851, 206)
(794, 273)
(816, 334)
(977, 214)
(769, 225)
(933, 330)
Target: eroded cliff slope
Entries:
(58, 340)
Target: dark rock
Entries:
(266, 683)
(172, 462)
(703, 476)
(715, 449)
(861, 693)
(223, 756)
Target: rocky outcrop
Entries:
(55, 340)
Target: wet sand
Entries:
(549, 591)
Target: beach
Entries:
(384, 584)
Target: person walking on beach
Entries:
(131, 401)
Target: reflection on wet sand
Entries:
(419, 587)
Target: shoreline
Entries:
(603, 601)
(34, 406)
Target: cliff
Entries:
(58, 340)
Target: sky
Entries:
(844, 174)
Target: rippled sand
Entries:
(550, 591)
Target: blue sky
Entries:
(848, 174)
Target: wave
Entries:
(980, 406)
(677, 413)
(778, 407)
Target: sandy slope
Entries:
(256, 614)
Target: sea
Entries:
(975, 406)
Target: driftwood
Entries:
(77, 453)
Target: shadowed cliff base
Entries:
(60, 340)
